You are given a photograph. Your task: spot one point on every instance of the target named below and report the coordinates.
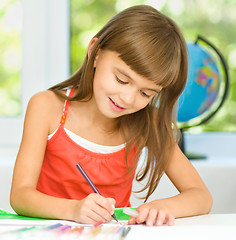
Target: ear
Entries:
(90, 48)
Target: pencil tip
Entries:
(114, 216)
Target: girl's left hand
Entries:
(152, 216)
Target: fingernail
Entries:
(149, 223)
(113, 206)
(158, 223)
(171, 223)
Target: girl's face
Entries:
(118, 90)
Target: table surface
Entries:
(212, 226)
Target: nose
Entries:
(128, 97)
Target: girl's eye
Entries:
(145, 95)
(120, 81)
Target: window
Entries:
(43, 49)
(10, 57)
(44, 59)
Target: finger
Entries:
(143, 214)
(112, 204)
(152, 216)
(95, 209)
(86, 220)
(160, 218)
(106, 203)
(132, 220)
(101, 214)
(171, 220)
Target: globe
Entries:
(202, 88)
(206, 87)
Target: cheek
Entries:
(141, 103)
(98, 82)
(102, 81)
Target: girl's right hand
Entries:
(93, 209)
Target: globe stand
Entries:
(190, 156)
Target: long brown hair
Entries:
(153, 46)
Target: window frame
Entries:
(45, 42)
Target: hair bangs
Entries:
(149, 44)
(158, 59)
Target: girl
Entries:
(120, 101)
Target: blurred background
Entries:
(42, 42)
(213, 19)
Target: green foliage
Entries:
(87, 17)
(216, 21)
(10, 26)
(213, 19)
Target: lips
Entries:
(115, 106)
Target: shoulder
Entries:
(46, 101)
(44, 97)
(45, 108)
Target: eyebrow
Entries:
(128, 76)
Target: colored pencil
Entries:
(91, 184)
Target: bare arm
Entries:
(193, 199)
(25, 199)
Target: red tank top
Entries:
(60, 177)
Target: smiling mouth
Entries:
(116, 104)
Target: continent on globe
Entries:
(202, 87)
(209, 79)
(205, 91)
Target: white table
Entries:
(212, 226)
(205, 227)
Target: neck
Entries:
(94, 118)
